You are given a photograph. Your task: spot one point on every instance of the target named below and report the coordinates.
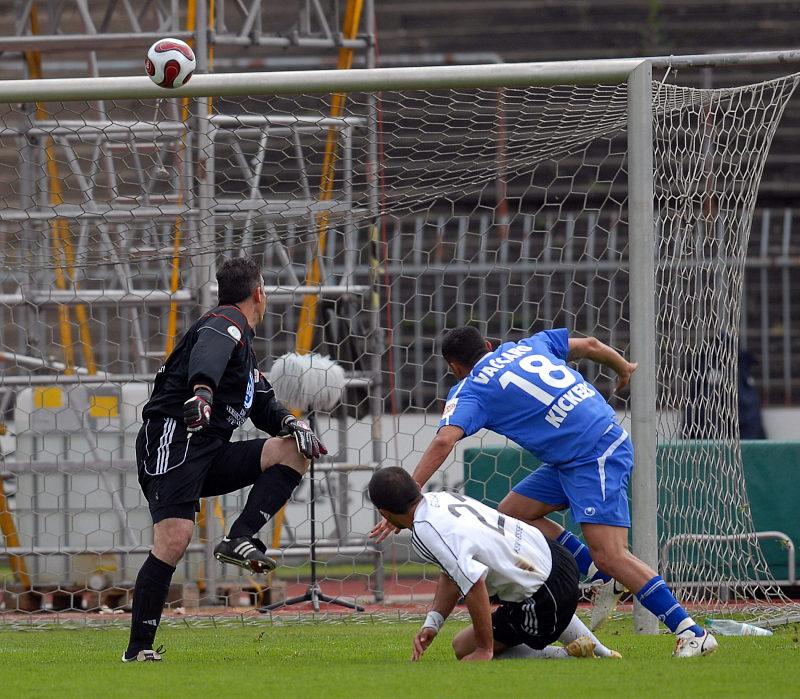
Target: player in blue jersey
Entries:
(527, 392)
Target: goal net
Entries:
(708, 161)
(379, 218)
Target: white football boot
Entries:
(691, 646)
(604, 601)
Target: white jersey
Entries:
(469, 541)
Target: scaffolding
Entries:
(112, 254)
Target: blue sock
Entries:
(657, 598)
(580, 552)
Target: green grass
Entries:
(348, 659)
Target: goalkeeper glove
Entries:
(197, 410)
(308, 444)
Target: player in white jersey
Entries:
(527, 392)
(484, 556)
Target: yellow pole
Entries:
(201, 525)
(7, 524)
(84, 331)
(58, 241)
(308, 310)
(61, 238)
(12, 540)
(174, 282)
(175, 263)
(201, 529)
(172, 318)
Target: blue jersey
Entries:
(525, 391)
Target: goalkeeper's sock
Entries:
(580, 552)
(657, 598)
(149, 597)
(269, 493)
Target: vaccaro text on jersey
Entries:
(510, 369)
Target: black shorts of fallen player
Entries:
(541, 619)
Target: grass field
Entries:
(371, 659)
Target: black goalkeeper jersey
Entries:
(217, 351)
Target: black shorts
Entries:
(176, 468)
(542, 618)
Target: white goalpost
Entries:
(383, 205)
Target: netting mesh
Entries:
(405, 213)
(711, 148)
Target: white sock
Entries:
(684, 628)
(526, 652)
(576, 629)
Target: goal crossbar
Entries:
(607, 72)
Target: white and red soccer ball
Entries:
(170, 62)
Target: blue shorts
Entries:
(595, 486)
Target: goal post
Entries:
(514, 196)
(644, 489)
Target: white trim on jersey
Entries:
(451, 401)
(226, 335)
(488, 354)
(449, 562)
(601, 462)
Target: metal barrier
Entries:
(780, 536)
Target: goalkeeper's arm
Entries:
(268, 414)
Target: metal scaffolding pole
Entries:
(118, 239)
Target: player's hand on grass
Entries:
(197, 410)
(624, 376)
(382, 530)
(421, 642)
(308, 444)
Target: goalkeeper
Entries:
(486, 556)
(209, 386)
(526, 392)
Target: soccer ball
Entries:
(170, 62)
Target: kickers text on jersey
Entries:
(580, 392)
(526, 376)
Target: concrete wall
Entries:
(55, 510)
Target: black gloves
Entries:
(197, 414)
(197, 410)
(308, 443)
